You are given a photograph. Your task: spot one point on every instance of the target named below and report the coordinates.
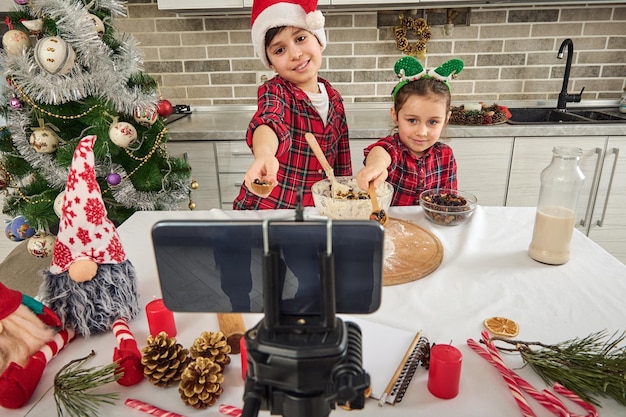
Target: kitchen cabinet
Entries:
(483, 167)
(201, 157)
(600, 213)
(607, 225)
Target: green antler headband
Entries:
(410, 69)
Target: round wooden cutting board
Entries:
(411, 252)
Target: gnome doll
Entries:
(90, 284)
(29, 338)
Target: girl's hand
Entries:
(263, 169)
(368, 174)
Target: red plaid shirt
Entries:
(288, 110)
(410, 175)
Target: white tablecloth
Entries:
(485, 272)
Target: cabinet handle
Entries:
(238, 184)
(240, 153)
(614, 151)
(594, 189)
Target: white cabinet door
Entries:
(201, 157)
(356, 152)
(532, 154)
(483, 167)
(608, 221)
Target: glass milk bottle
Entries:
(554, 221)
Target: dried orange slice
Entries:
(501, 326)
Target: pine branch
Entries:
(592, 366)
(73, 385)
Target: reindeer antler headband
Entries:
(410, 69)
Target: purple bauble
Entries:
(15, 103)
(21, 2)
(114, 178)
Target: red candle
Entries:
(444, 372)
(160, 319)
(244, 357)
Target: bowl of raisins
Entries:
(448, 207)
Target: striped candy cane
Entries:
(150, 409)
(518, 396)
(230, 410)
(572, 396)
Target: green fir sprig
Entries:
(591, 367)
(73, 385)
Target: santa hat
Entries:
(10, 300)
(268, 14)
(85, 232)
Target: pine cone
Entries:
(163, 360)
(211, 345)
(201, 383)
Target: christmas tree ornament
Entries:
(44, 140)
(211, 345)
(21, 229)
(146, 118)
(192, 205)
(194, 185)
(201, 383)
(114, 178)
(34, 26)
(58, 204)
(96, 24)
(164, 108)
(8, 232)
(54, 55)
(41, 244)
(122, 134)
(15, 103)
(163, 360)
(15, 41)
(21, 2)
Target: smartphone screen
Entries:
(217, 266)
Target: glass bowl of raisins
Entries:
(448, 207)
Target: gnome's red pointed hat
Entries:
(268, 14)
(85, 231)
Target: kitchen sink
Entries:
(537, 115)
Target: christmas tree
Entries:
(70, 74)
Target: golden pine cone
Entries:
(211, 345)
(163, 360)
(201, 383)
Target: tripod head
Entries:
(302, 365)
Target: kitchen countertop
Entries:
(372, 120)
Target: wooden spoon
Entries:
(378, 214)
(335, 186)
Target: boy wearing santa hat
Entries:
(288, 36)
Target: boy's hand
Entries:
(263, 169)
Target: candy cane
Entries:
(230, 410)
(518, 396)
(150, 409)
(572, 396)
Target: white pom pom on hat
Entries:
(268, 14)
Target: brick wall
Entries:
(509, 53)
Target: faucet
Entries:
(564, 98)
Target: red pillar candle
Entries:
(244, 357)
(444, 372)
(160, 318)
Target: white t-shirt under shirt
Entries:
(320, 102)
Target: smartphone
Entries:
(217, 265)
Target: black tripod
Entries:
(302, 365)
